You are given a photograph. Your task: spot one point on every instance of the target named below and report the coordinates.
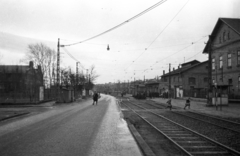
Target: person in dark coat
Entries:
(187, 104)
(169, 104)
(95, 98)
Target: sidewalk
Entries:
(12, 111)
(232, 110)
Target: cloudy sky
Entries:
(174, 32)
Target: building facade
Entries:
(21, 84)
(224, 45)
(189, 80)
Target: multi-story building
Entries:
(21, 84)
(224, 46)
(189, 80)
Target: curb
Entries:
(142, 144)
(14, 116)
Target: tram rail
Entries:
(222, 123)
(189, 141)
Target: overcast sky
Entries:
(175, 32)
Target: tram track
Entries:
(189, 141)
(219, 122)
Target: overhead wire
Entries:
(69, 54)
(194, 55)
(121, 24)
(158, 35)
(178, 51)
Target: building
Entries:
(224, 49)
(189, 80)
(152, 88)
(21, 84)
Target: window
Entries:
(224, 36)
(229, 60)
(213, 64)
(239, 83)
(192, 81)
(229, 81)
(220, 62)
(179, 79)
(205, 79)
(165, 79)
(238, 57)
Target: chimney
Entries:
(39, 68)
(163, 72)
(173, 68)
(31, 64)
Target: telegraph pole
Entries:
(58, 70)
(209, 71)
(169, 84)
(76, 83)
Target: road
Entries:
(79, 129)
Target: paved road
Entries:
(79, 129)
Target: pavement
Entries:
(230, 110)
(62, 134)
(12, 111)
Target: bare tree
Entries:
(93, 74)
(44, 56)
(68, 79)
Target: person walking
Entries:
(95, 98)
(187, 104)
(169, 104)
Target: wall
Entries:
(230, 46)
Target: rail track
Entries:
(219, 122)
(188, 141)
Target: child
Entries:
(169, 104)
(187, 103)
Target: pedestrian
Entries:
(169, 104)
(187, 104)
(95, 98)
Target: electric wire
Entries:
(121, 24)
(69, 54)
(158, 34)
(178, 51)
(194, 55)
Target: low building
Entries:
(224, 46)
(189, 80)
(21, 84)
(152, 88)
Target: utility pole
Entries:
(169, 84)
(134, 86)
(209, 100)
(58, 70)
(76, 83)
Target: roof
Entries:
(233, 23)
(184, 69)
(190, 63)
(13, 69)
(152, 82)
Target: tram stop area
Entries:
(230, 110)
